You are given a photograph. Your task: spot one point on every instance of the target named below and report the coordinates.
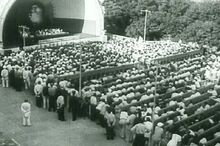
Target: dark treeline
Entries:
(180, 19)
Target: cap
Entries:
(160, 124)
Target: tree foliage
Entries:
(181, 19)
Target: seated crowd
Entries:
(149, 50)
(185, 92)
(189, 92)
(65, 60)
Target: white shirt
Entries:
(93, 100)
(25, 74)
(38, 80)
(149, 125)
(175, 139)
(26, 108)
(38, 89)
(123, 115)
(4, 73)
(171, 103)
(99, 106)
(144, 97)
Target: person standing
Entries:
(20, 82)
(50, 77)
(111, 120)
(130, 124)
(11, 77)
(93, 104)
(4, 75)
(1, 68)
(148, 123)
(39, 79)
(26, 111)
(175, 141)
(16, 80)
(60, 108)
(156, 137)
(26, 78)
(38, 89)
(98, 108)
(102, 114)
(45, 95)
(139, 131)
(32, 63)
(123, 120)
(74, 104)
(61, 91)
(52, 93)
(86, 95)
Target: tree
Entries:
(181, 19)
(116, 16)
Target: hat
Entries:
(203, 141)
(160, 124)
(138, 107)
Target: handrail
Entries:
(178, 56)
(188, 109)
(213, 141)
(196, 125)
(152, 98)
(208, 111)
(211, 130)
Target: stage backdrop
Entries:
(74, 16)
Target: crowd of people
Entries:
(180, 89)
(65, 60)
(149, 50)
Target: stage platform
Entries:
(78, 36)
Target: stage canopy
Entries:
(72, 16)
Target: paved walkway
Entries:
(46, 129)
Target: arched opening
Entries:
(42, 14)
